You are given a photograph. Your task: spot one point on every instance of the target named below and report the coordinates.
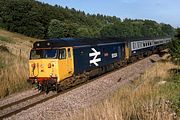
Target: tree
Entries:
(35, 19)
(58, 29)
(178, 33)
(175, 48)
(83, 32)
(167, 29)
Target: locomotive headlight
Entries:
(36, 81)
(48, 44)
(51, 75)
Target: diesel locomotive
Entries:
(57, 63)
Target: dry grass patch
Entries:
(13, 74)
(14, 54)
(141, 99)
(16, 43)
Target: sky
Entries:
(162, 11)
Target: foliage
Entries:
(58, 29)
(175, 48)
(172, 89)
(178, 33)
(36, 19)
(137, 28)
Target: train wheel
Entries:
(57, 88)
(45, 87)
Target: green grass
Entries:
(6, 39)
(1, 64)
(172, 91)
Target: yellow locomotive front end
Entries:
(43, 67)
(47, 67)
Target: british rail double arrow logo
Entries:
(95, 54)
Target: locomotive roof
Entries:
(77, 42)
(74, 42)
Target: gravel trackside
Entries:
(59, 108)
(17, 96)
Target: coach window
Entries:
(134, 45)
(139, 45)
(69, 53)
(143, 44)
(62, 54)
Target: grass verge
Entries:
(13, 74)
(14, 54)
(153, 96)
(6, 39)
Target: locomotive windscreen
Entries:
(43, 54)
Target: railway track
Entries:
(16, 107)
(23, 104)
(19, 101)
(26, 103)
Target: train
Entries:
(55, 64)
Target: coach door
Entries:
(127, 51)
(122, 51)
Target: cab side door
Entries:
(70, 65)
(65, 63)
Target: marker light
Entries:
(49, 65)
(33, 65)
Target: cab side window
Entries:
(62, 54)
(69, 53)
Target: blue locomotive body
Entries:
(90, 57)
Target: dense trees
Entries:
(58, 29)
(175, 47)
(178, 33)
(137, 28)
(41, 20)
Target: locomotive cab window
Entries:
(43, 54)
(62, 54)
(36, 54)
(50, 53)
(69, 53)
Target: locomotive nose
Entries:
(43, 68)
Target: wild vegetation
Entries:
(40, 20)
(14, 52)
(175, 47)
(154, 95)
